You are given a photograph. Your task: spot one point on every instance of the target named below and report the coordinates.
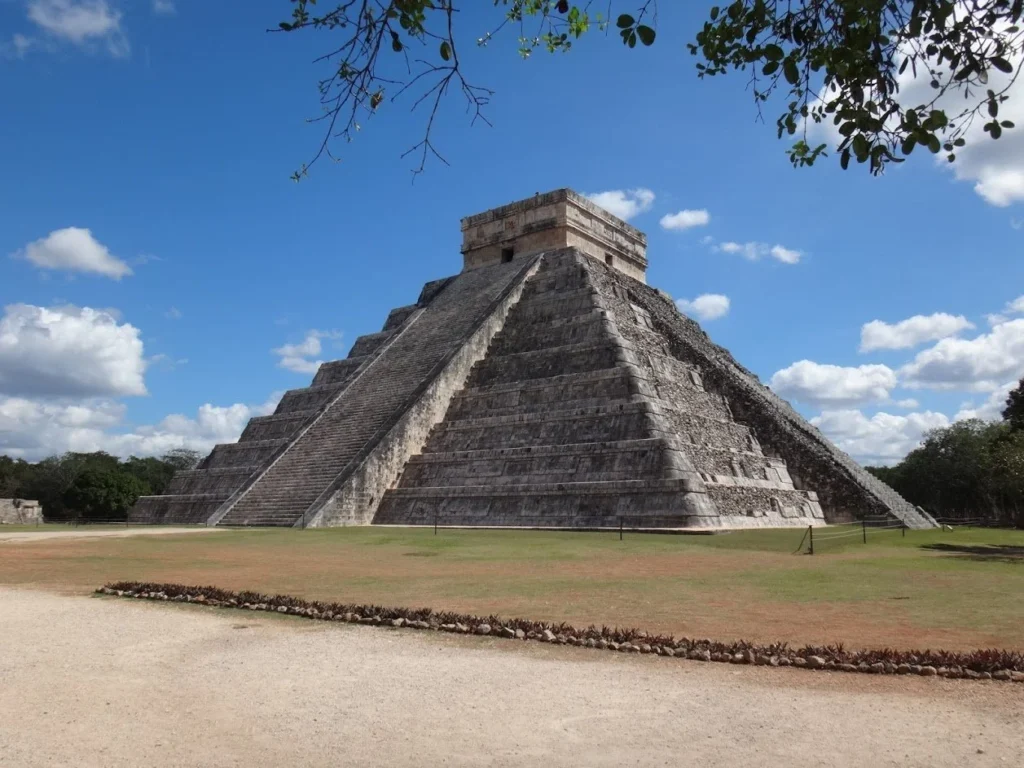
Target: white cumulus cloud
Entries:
(980, 364)
(33, 429)
(990, 409)
(1015, 307)
(74, 249)
(785, 255)
(300, 357)
(708, 306)
(624, 203)
(163, 7)
(833, 385)
(754, 250)
(996, 167)
(80, 22)
(910, 332)
(685, 219)
(880, 439)
(69, 351)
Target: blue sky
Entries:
(168, 132)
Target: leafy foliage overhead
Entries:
(841, 62)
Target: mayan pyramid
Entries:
(545, 385)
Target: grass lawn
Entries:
(930, 589)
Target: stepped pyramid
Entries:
(545, 385)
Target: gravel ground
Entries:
(111, 682)
(108, 533)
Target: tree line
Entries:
(969, 470)
(90, 486)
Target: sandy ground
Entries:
(109, 682)
(108, 533)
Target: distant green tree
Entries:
(99, 494)
(182, 458)
(1014, 411)
(968, 470)
(50, 479)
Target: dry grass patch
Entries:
(893, 592)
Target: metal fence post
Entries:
(810, 530)
(620, 528)
(903, 527)
(435, 522)
(864, 530)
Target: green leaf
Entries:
(770, 68)
(714, 13)
(631, 40)
(1001, 64)
(860, 147)
(446, 50)
(791, 72)
(773, 52)
(844, 159)
(646, 34)
(625, 20)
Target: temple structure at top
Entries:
(559, 219)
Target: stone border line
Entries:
(990, 664)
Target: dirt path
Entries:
(100, 533)
(108, 682)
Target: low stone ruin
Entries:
(20, 512)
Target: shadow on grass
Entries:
(1002, 553)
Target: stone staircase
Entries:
(549, 429)
(561, 425)
(195, 496)
(291, 488)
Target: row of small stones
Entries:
(679, 650)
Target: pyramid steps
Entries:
(338, 372)
(194, 496)
(609, 383)
(473, 409)
(543, 363)
(275, 427)
(576, 330)
(239, 454)
(209, 480)
(307, 399)
(369, 343)
(622, 460)
(307, 471)
(570, 505)
(548, 430)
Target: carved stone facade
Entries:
(548, 389)
(20, 512)
(559, 219)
